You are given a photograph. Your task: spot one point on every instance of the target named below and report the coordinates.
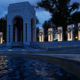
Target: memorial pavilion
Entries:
(21, 23)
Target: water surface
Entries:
(22, 68)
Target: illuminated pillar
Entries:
(1, 37)
(41, 35)
(78, 31)
(60, 34)
(50, 34)
(70, 32)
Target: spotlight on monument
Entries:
(70, 32)
(50, 34)
(41, 35)
(1, 37)
(60, 34)
(78, 31)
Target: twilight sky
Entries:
(40, 13)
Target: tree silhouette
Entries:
(3, 27)
(61, 11)
(46, 25)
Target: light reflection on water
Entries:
(22, 68)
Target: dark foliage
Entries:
(61, 11)
(3, 27)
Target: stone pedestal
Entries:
(50, 34)
(60, 34)
(70, 32)
(41, 35)
(78, 31)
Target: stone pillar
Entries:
(78, 31)
(8, 34)
(70, 32)
(50, 34)
(34, 30)
(11, 33)
(24, 33)
(41, 35)
(60, 34)
(1, 37)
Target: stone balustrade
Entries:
(63, 44)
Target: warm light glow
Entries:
(70, 32)
(50, 34)
(60, 34)
(41, 36)
(78, 31)
(76, 37)
(1, 37)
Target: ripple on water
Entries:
(22, 68)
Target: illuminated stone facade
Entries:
(70, 32)
(50, 34)
(1, 37)
(60, 34)
(78, 31)
(41, 35)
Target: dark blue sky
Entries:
(41, 14)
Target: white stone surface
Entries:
(26, 12)
(50, 34)
(78, 31)
(70, 32)
(1, 37)
(60, 34)
(41, 35)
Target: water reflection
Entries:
(22, 68)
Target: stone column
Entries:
(24, 33)
(11, 33)
(34, 31)
(50, 34)
(78, 31)
(28, 32)
(70, 32)
(8, 34)
(1, 37)
(60, 34)
(41, 35)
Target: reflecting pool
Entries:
(23, 68)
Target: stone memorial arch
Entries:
(21, 23)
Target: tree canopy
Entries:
(3, 27)
(61, 12)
